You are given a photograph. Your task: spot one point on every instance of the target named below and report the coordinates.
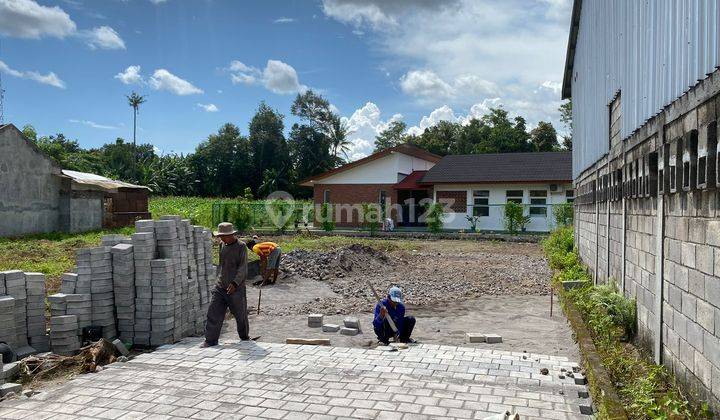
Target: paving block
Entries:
(10, 387)
(493, 338)
(9, 370)
(25, 351)
(331, 328)
(475, 337)
(315, 320)
(349, 331)
(351, 322)
(120, 346)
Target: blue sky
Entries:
(67, 65)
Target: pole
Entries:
(379, 301)
(259, 297)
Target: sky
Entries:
(67, 65)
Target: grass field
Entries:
(197, 209)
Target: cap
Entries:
(395, 294)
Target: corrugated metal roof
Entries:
(94, 181)
(502, 167)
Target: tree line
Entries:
(228, 163)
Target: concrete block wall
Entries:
(667, 256)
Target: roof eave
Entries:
(566, 91)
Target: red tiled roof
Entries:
(411, 182)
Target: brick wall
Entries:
(344, 196)
(677, 233)
(453, 201)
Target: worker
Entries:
(393, 307)
(269, 253)
(229, 292)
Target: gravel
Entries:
(426, 277)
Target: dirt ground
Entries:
(451, 287)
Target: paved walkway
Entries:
(267, 380)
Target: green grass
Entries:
(197, 209)
(51, 254)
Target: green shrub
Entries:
(434, 217)
(514, 218)
(473, 222)
(563, 214)
(239, 215)
(371, 217)
(282, 214)
(326, 217)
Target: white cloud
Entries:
(425, 83)
(364, 125)
(158, 1)
(94, 124)
(28, 19)
(464, 52)
(444, 113)
(277, 76)
(130, 76)
(164, 80)
(47, 79)
(209, 107)
(103, 37)
(284, 20)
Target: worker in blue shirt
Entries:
(393, 306)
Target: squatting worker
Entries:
(229, 292)
(269, 253)
(393, 306)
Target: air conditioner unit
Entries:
(555, 188)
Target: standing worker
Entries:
(393, 307)
(229, 292)
(269, 253)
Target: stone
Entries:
(8, 388)
(544, 371)
(120, 346)
(331, 328)
(475, 337)
(349, 331)
(493, 338)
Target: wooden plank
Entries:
(308, 341)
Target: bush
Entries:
(514, 218)
(371, 217)
(326, 217)
(282, 214)
(434, 217)
(239, 215)
(563, 214)
(473, 222)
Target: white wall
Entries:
(497, 196)
(380, 171)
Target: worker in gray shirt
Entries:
(229, 292)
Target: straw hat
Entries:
(225, 229)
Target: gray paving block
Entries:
(120, 346)
(10, 387)
(25, 351)
(493, 338)
(331, 328)
(351, 322)
(9, 370)
(349, 331)
(475, 337)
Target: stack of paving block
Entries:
(36, 323)
(58, 304)
(84, 271)
(112, 240)
(210, 269)
(168, 246)
(124, 289)
(63, 335)
(143, 252)
(79, 305)
(101, 290)
(162, 323)
(8, 332)
(15, 287)
(68, 282)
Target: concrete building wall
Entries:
(86, 213)
(662, 245)
(30, 187)
(385, 170)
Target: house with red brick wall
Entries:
(472, 188)
(389, 178)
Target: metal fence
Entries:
(263, 214)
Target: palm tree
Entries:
(135, 100)
(338, 133)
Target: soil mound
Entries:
(326, 265)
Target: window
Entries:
(326, 196)
(382, 198)
(516, 196)
(481, 203)
(538, 203)
(570, 196)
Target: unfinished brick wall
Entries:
(453, 201)
(671, 206)
(346, 199)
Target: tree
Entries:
(392, 136)
(501, 135)
(135, 100)
(339, 131)
(566, 118)
(314, 110)
(310, 152)
(30, 132)
(222, 163)
(544, 137)
(438, 139)
(268, 148)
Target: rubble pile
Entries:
(328, 265)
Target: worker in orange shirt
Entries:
(269, 253)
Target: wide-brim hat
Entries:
(225, 229)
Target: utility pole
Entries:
(2, 93)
